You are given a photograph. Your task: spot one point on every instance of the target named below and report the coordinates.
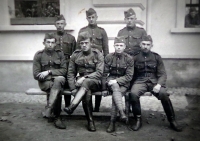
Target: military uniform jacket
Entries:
(99, 38)
(90, 66)
(149, 67)
(133, 38)
(66, 43)
(45, 60)
(119, 67)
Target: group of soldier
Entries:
(87, 66)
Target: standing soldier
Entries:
(150, 75)
(66, 43)
(132, 33)
(49, 68)
(118, 72)
(99, 41)
(89, 63)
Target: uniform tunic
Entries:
(45, 60)
(66, 43)
(99, 38)
(119, 67)
(88, 65)
(149, 67)
(133, 38)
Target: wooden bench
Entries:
(37, 91)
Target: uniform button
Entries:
(49, 61)
(50, 66)
(145, 57)
(61, 48)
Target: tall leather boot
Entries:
(51, 102)
(168, 108)
(67, 99)
(87, 107)
(75, 102)
(97, 103)
(136, 108)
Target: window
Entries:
(35, 12)
(192, 18)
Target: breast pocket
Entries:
(139, 66)
(98, 40)
(67, 49)
(57, 64)
(44, 65)
(152, 66)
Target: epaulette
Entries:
(77, 50)
(139, 26)
(155, 53)
(40, 51)
(95, 50)
(84, 27)
(136, 53)
(57, 50)
(122, 29)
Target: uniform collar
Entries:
(86, 53)
(49, 52)
(60, 33)
(92, 26)
(146, 54)
(118, 55)
(130, 28)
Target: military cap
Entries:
(84, 36)
(60, 17)
(120, 39)
(193, 9)
(147, 38)
(90, 12)
(129, 13)
(49, 36)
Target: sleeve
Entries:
(36, 66)
(105, 72)
(71, 74)
(63, 66)
(73, 45)
(161, 73)
(78, 40)
(123, 80)
(105, 42)
(99, 68)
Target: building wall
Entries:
(181, 51)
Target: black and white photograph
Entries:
(100, 70)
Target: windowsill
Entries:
(185, 30)
(32, 28)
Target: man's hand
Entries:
(79, 81)
(43, 74)
(112, 82)
(105, 93)
(74, 92)
(156, 88)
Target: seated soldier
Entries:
(89, 63)
(150, 75)
(49, 68)
(118, 72)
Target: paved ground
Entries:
(21, 120)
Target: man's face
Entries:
(50, 43)
(193, 14)
(146, 46)
(119, 47)
(85, 45)
(60, 25)
(130, 21)
(92, 19)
